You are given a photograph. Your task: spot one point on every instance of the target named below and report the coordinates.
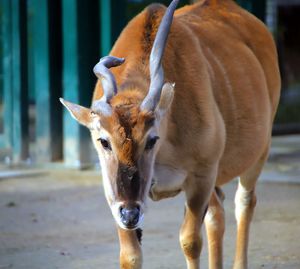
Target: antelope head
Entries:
(126, 134)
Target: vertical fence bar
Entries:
(16, 80)
(80, 53)
(71, 147)
(2, 137)
(259, 9)
(88, 56)
(55, 62)
(7, 72)
(41, 71)
(271, 15)
(20, 139)
(105, 23)
(118, 8)
(31, 81)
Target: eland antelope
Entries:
(188, 107)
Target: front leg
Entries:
(167, 182)
(130, 249)
(198, 190)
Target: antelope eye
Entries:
(151, 142)
(105, 144)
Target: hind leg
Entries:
(245, 201)
(215, 227)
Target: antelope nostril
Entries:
(130, 215)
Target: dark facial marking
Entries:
(128, 182)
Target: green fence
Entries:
(48, 49)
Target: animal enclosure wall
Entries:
(48, 49)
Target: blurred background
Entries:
(49, 47)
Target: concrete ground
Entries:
(60, 219)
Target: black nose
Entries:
(130, 216)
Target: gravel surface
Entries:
(61, 220)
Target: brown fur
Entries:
(152, 20)
(224, 63)
(195, 32)
(127, 125)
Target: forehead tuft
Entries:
(133, 123)
(127, 120)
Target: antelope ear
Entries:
(166, 98)
(83, 115)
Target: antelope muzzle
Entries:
(130, 216)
